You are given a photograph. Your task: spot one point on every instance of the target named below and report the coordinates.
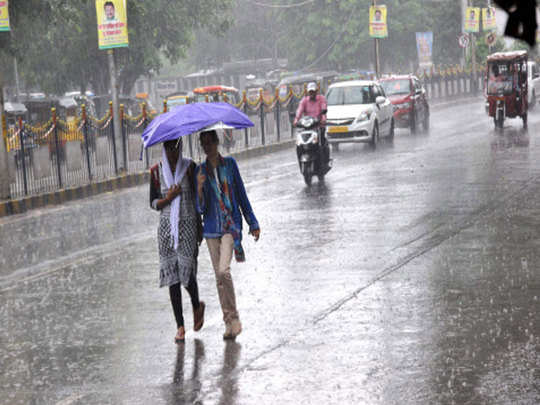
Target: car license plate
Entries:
(336, 130)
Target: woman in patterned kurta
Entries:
(172, 192)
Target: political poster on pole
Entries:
(4, 15)
(112, 24)
(424, 47)
(489, 22)
(472, 19)
(377, 22)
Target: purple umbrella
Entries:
(187, 119)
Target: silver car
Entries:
(358, 111)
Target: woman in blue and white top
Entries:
(172, 192)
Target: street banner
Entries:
(4, 15)
(377, 22)
(472, 19)
(489, 22)
(424, 47)
(112, 24)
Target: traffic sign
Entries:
(490, 39)
(463, 40)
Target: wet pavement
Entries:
(411, 276)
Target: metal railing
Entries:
(62, 154)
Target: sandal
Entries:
(198, 317)
(180, 335)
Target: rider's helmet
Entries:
(312, 86)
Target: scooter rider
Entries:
(314, 105)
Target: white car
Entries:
(533, 81)
(358, 111)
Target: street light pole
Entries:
(473, 57)
(116, 108)
(463, 9)
(16, 71)
(489, 45)
(376, 44)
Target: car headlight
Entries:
(404, 105)
(363, 117)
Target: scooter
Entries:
(311, 154)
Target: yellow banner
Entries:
(489, 23)
(112, 24)
(472, 19)
(4, 15)
(377, 22)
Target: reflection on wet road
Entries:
(409, 277)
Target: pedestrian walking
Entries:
(221, 195)
(173, 193)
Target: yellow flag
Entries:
(112, 24)
(489, 22)
(377, 22)
(4, 15)
(472, 19)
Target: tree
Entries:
(58, 47)
(21, 14)
(330, 34)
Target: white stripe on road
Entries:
(70, 400)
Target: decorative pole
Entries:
(87, 144)
(124, 141)
(4, 166)
(57, 147)
(113, 137)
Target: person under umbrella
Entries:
(175, 264)
(173, 193)
(222, 199)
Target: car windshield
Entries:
(349, 95)
(499, 79)
(401, 86)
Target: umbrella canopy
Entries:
(190, 118)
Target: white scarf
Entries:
(181, 167)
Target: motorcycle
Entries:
(313, 158)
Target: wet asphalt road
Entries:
(410, 277)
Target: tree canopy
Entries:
(334, 34)
(55, 41)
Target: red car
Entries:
(409, 101)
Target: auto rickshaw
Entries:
(219, 93)
(216, 93)
(177, 98)
(507, 86)
(16, 111)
